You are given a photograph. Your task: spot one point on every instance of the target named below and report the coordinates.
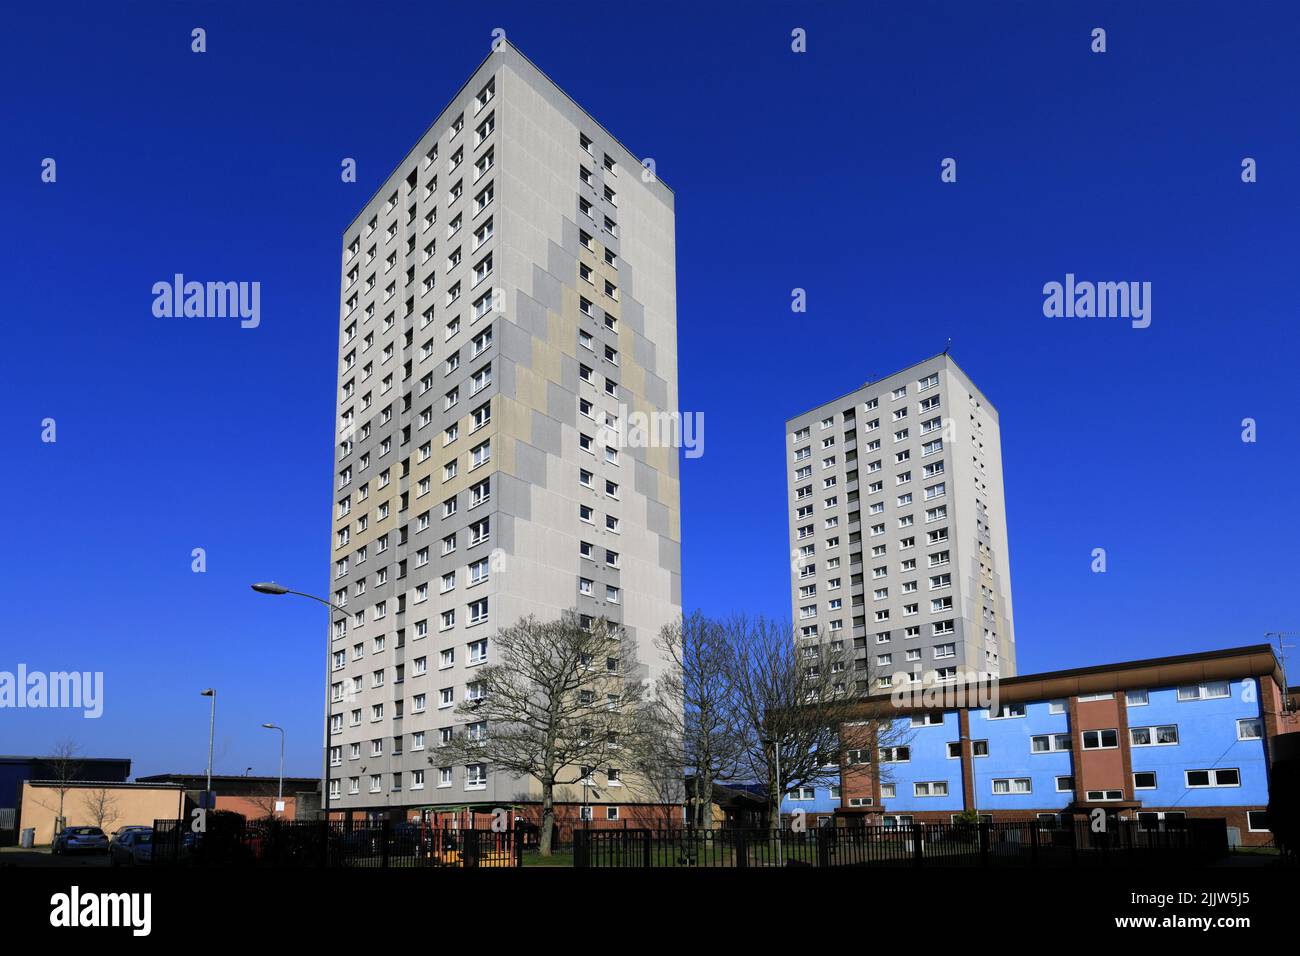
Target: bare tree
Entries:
(697, 731)
(655, 772)
(65, 763)
(794, 700)
(101, 805)
(561, 699)
(265, 797)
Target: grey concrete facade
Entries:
(507, 295)
(898, 532)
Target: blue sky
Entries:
(817, 170)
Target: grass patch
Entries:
(557, 858)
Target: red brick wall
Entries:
(255, 808)
(1099, 769)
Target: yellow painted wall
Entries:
(132, 806)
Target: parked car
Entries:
(80, 840)
(132, 846)
(123, 831)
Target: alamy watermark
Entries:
(71, 690)
(209, 300)
(973, 689)
(1102, 300)
(75, 909)
(655, 430)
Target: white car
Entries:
(80, 840)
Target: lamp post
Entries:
(212, 730)
(280, 792)
(270, 587)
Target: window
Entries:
(1064, 784)
(1100, 739)
(476, 776)
(478, 572)
(1144, 780)
(1049, 743)
(1205, 691)
(480, 492)
(479, 532)
(478, 613)
(1102, 796)
(1213, 778)
(1153, 736)
(930, 788)
(1250, 728)
(485, 94)
(1007, 710)
(1013, 785)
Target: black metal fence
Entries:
(297, 843)
(1032, 843)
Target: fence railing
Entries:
(231, 841)
(297, 843)
(949, 844)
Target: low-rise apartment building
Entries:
(1159, 741)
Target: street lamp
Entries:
(280, 796)
(270, 587)
(587, 789)
(212, 729)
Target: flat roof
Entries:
(436, 116)
(116, 784)
(1193, 658)
(944, 354)
(221, 777)
(76, 758)
(1251, 660)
